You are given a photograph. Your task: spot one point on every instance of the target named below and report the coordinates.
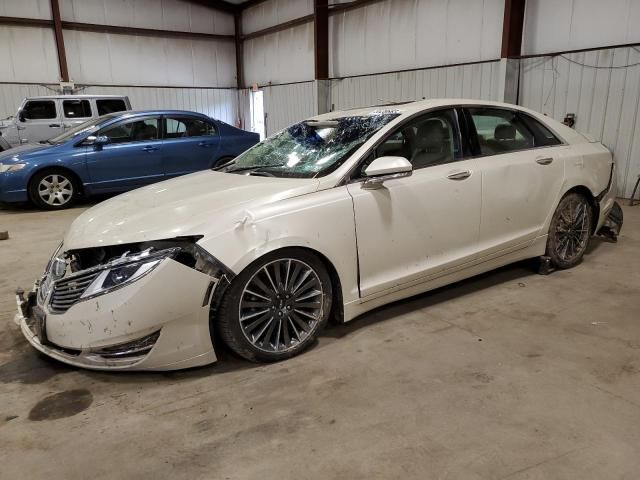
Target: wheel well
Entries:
(66, 170)
(595, 206)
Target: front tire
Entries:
(570, 231)
(275, 308)
(53, 189)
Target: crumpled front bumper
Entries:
(159, 322)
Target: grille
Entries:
(67, 291)
(43, 290)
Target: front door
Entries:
(521, 163)
(190, 144)
(421, 225)
(39, 120)
(132, 158)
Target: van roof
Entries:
(53, 97)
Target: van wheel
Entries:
(570, 231)
(53, 189)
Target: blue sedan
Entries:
(116, 153)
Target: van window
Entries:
(39, 109)
(76, 108)
(110, 105)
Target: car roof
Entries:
(160, 112)
(54, 97)
(568, 134)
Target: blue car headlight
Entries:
(125, 270)
(11, 167)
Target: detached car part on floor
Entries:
(333, 216)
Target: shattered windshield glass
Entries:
(310, 148)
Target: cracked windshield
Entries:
(309, 149)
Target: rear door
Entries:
(522, 168)
(132, 158)
(190, 144)
(75, 111)
(39, 119)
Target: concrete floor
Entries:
(508, 375)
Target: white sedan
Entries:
(329, 218)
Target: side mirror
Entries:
(96, 141)
(21, 116)
(386, 168)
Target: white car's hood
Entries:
(198, 204)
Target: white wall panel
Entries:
(280, 57)
(480, 81)
(180, 15)
(26, 8)
(274, 12)
(217, 103)
(552, 25)
(288, 104)
(28, 55)
(404, 34)
(604, 99)
(100, 58)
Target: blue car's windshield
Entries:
(310, 148)
(88, 126)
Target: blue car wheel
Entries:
(53, 189)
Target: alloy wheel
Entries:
(281, 305)
(572, 230)
(55, 189)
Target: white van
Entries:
(40, 118)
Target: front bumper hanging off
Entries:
(160, 322)
(612, 223)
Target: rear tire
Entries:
(53, 189)
(570, 231)
(275, 308)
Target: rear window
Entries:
(110, 105)
(76, 108)
(39, 109)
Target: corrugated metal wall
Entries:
(601, 91)
(402, 34)
(287, 104)
(466, 81)
(554, 26)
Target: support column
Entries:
(512, 28)
(57, 28)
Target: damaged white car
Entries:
(329, 218)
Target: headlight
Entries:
(12, 167)
(125, 270)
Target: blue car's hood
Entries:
(23, 152)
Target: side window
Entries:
(429, 140)
(542, 135)
(39, 110)
(500, 131)
(132, 131)
(110, 105)
(76, 108)
(183, 127)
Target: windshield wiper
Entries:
(224, 165)
(255, 168)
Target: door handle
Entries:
(204, 144)
(459, 175)
(544, 160)
(150, 149)
(54, 125)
